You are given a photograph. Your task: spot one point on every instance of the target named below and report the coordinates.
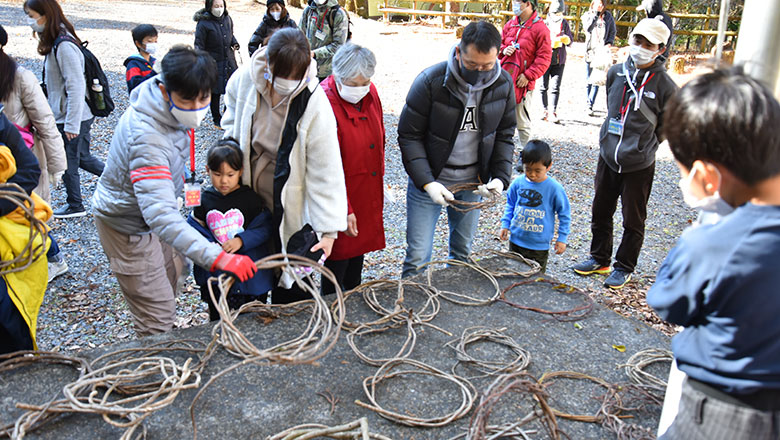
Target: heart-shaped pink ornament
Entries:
(225, 226)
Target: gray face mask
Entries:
(35, 26)
(473, 77)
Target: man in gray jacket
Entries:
(456, 127)
(135, 203)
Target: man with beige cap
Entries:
(637, 91)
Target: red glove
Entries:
(240, 266)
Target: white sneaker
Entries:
(554, 118)
(56, 269)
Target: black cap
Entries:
(270, 2)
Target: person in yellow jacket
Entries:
(21, 291)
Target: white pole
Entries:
(758, 49)
(722, 24)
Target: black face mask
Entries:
(472, 76)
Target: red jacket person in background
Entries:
(361, 134)
(525, 53)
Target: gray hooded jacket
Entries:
(145, 173)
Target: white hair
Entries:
(352, 60)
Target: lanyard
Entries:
(638, 100)
(630, 82)
(191, 133)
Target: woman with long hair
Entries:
(24, 104)
(287, 131)
(63, 70)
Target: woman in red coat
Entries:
(361, 135)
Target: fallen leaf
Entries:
(620, 348)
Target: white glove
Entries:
(56, 178)
(438, 193)
(494, 187)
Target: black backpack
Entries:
(332, 14)
(92, 71)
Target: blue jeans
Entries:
(78, 156)
(421, 217)
(53, 255)
(592, 90)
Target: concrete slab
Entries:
(260, 400)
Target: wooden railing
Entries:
(576, 9)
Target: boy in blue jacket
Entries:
(532, 202)
(232, 215)
(720, 282)
(140, 66)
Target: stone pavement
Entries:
(255, 401)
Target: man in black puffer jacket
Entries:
(456, 127)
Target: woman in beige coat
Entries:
(25, 105)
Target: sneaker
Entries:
(69, 212)
(544, 116)
(590, 111)
(590, 267)
(57, 268)
(554, 119)
(617, 279)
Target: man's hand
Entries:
(504, 234)
(71, 136)
(351, 226)
(522, 81)
(509, 50)
(326, 244)
(559, 247)
(240, 266)
(233, 245)
(492, 188)
(438, 193)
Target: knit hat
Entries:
(268, 3)
(3, 36)
(654, 30)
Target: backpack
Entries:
(92, 71)
(332, 13)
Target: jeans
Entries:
(633, 189)
(592, 90)
(556, 73)
(421, 217)
(53, 255)
(216, 111)
(78, 156)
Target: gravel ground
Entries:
(85, 309)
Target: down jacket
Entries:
(266, 27)
(215, 36)
(429, 124)
(27, 105)
(532, 57)
(144, 174)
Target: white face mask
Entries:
(352, 94)
(276, 15)
(640, 55)
(187, 118)
(320, 2)
(151, 48)
(517, 8)
(712, 207)
(35, 26)
(217, 12)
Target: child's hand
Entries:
(559, 247)
(504, 234)
(233, 245)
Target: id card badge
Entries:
(615, 127)
(191, 194)
(320, 35)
